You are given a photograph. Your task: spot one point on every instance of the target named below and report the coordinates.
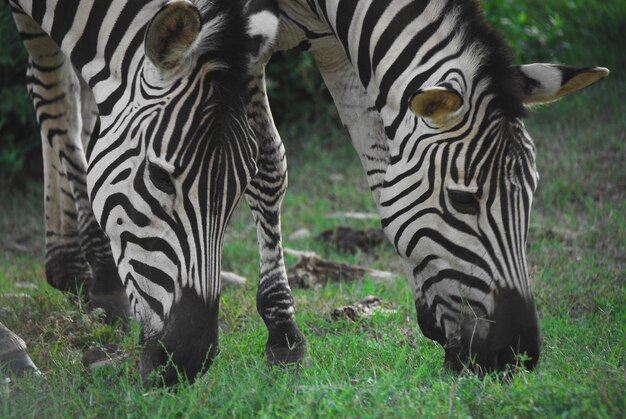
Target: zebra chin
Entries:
(186, 346)
(508, 340)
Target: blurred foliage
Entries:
(525, 35)
(577, 32)
(19, 136)
(295, 88)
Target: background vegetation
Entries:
(377, 367)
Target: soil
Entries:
(349, 240)
(363, 309)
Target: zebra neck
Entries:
(398, 47)
(102, 39)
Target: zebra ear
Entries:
(544, 83)
(436, 103)
(172, 33)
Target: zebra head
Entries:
(457, 193)
(168, 169)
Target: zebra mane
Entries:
(497, 63)
(241, 30)
(223, 31)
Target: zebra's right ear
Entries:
(172, 33)
(544, 83)
(436, 103)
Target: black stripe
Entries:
(469, 281)
(85, 49)
(64, 15)
(155, 305)
(39, 10)
(121, 200)
(400, 21)
(106, 107)
(374, 12)
(153, 275)
(345, 13)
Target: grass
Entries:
(381, 367)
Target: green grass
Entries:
(379, 367)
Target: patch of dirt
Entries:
(363, 309)
(349, 240)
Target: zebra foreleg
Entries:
(78, 255)
(51, 84)
(275, 302)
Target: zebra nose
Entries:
(515, 332)
(186, 347)
(508, 339)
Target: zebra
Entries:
(433, 105)
(154, 123)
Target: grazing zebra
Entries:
(169, 96)
(434, 107)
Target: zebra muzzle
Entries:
(187, 345)
(509, 339)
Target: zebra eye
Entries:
(161, 179)
(464, 202)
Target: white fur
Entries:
(263, 24)
(547, 75)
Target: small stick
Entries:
(232, 278)
(310, 262)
